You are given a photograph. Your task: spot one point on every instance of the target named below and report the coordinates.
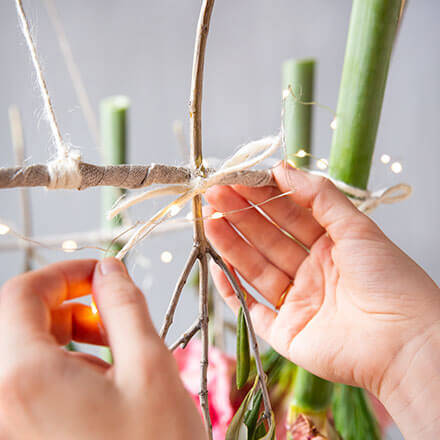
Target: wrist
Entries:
(410, 389)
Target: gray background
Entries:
(144, 49)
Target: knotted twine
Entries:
(64, 169)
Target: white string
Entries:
(73, 70)
(367, 201)
(64, 169)
(246, 157)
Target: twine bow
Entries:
(367, 201)
(246, 157)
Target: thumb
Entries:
(125, 315)
(329, 206)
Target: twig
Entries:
(195, 108)
(204, 321)
(177, 292)
(125, 176)
(237, 289)
(18, 145)
(187, 336)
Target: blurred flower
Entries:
(220, 373)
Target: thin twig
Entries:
(238, 291)
(187, 336)
(178, 291)
(195, 108)
(204, 321)
(25, 202)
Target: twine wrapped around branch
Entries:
(121, 176)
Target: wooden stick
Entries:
(169, 316)
(195, 108)
(184, 339)
(253, 337)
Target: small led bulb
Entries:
(322, 164)
(385, 158)
(69, 246)
(166, 257)
(4, 229)
(396, 167)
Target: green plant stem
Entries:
(298, 112)
(113, 113)
(312, 395)
(353, 415)
(371, 35)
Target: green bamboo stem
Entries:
(353, 416)
(372, 31)
(371, 35)
(113, 114)
(299, 76)
(312, 395)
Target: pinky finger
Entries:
(262, 316)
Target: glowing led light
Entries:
(94, 308)
(385, 158)
(322, 164)
(396, 167)
(217, 215)
(174, 210)
(333, 124)
(4, 229)
(69, 246)
(286, 93)
(166, 257)
(189, 216)
(301, 153)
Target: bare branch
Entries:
(195, 109)
(187, 336)
(178, 291)
(238, 291)
(204, 321)
(125, 176)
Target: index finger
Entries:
(26, 300)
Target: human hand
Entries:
(358, 309)
(47, 392)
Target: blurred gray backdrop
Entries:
(143, 49)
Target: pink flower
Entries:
(220, 373)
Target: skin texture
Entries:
(49, 393)
(353, 308)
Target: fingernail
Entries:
(111, 265)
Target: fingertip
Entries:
(111, 265)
